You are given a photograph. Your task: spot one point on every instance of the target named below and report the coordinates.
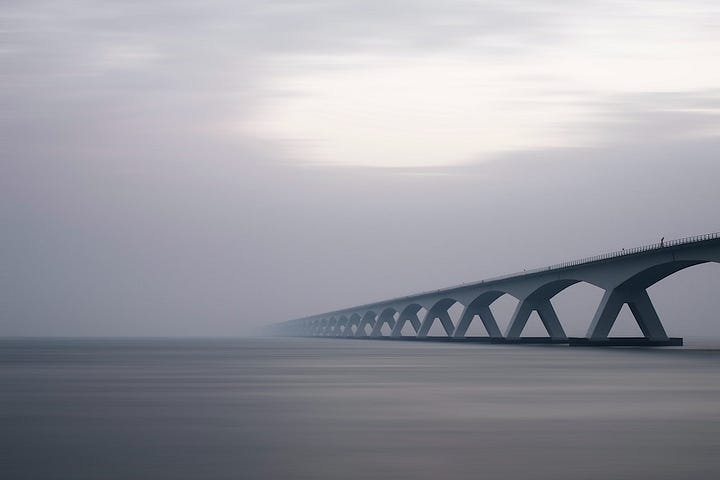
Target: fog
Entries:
(178, 170)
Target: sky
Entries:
(205, 168)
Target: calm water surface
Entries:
(344, 409)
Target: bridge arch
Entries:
(343, 330)
(368, 319)
(633, 292)
(409, 313)
(539, 300)
(480, 307)
(322, 326)
(438, 311)
(386, 317)
(686, 301)
(651, 275)
(353, 321)
(332, 323)
(340, 326)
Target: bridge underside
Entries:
(624, 279)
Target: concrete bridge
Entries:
(624, 276)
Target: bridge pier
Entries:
(387, 316)
(339, 327)
(641, 307)
(409, 314)
(367, 319)
(430, 318)
(481, 308)
(353, 320)
(438, 311)
(330, 327)
(547, 314)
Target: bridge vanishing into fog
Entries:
(624, 276)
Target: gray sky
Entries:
(202, 168)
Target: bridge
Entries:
(624, 276)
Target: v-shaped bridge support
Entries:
(641, 307)
(547, 315)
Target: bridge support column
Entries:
(328, 331)
(430, 317)
(404, 317)
(388, 316)
(335, 329)
(547, 314)
(354, 320)
(641, 307)
(486, 316)
(367, 319)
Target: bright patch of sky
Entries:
(392, 83)
(489, 93)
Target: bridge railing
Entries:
(595, 258)
(632, 251)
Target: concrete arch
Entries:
(539, 300)
(575, 307)
(686, 302)
(409, 313)
(368, 318)
(439, 310)
(387, 316)
(325, 326)
(552, 288)
(329, 330)
(353, 321)
(650, 276)
(341, 325)
(480, 306)
(633, 292)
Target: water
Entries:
(344, 409)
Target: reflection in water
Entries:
(328, 408)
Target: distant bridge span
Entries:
(624, 276)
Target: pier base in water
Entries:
(572, 341)
(626, 342)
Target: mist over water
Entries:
(330, 408)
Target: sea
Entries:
(323, 408)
